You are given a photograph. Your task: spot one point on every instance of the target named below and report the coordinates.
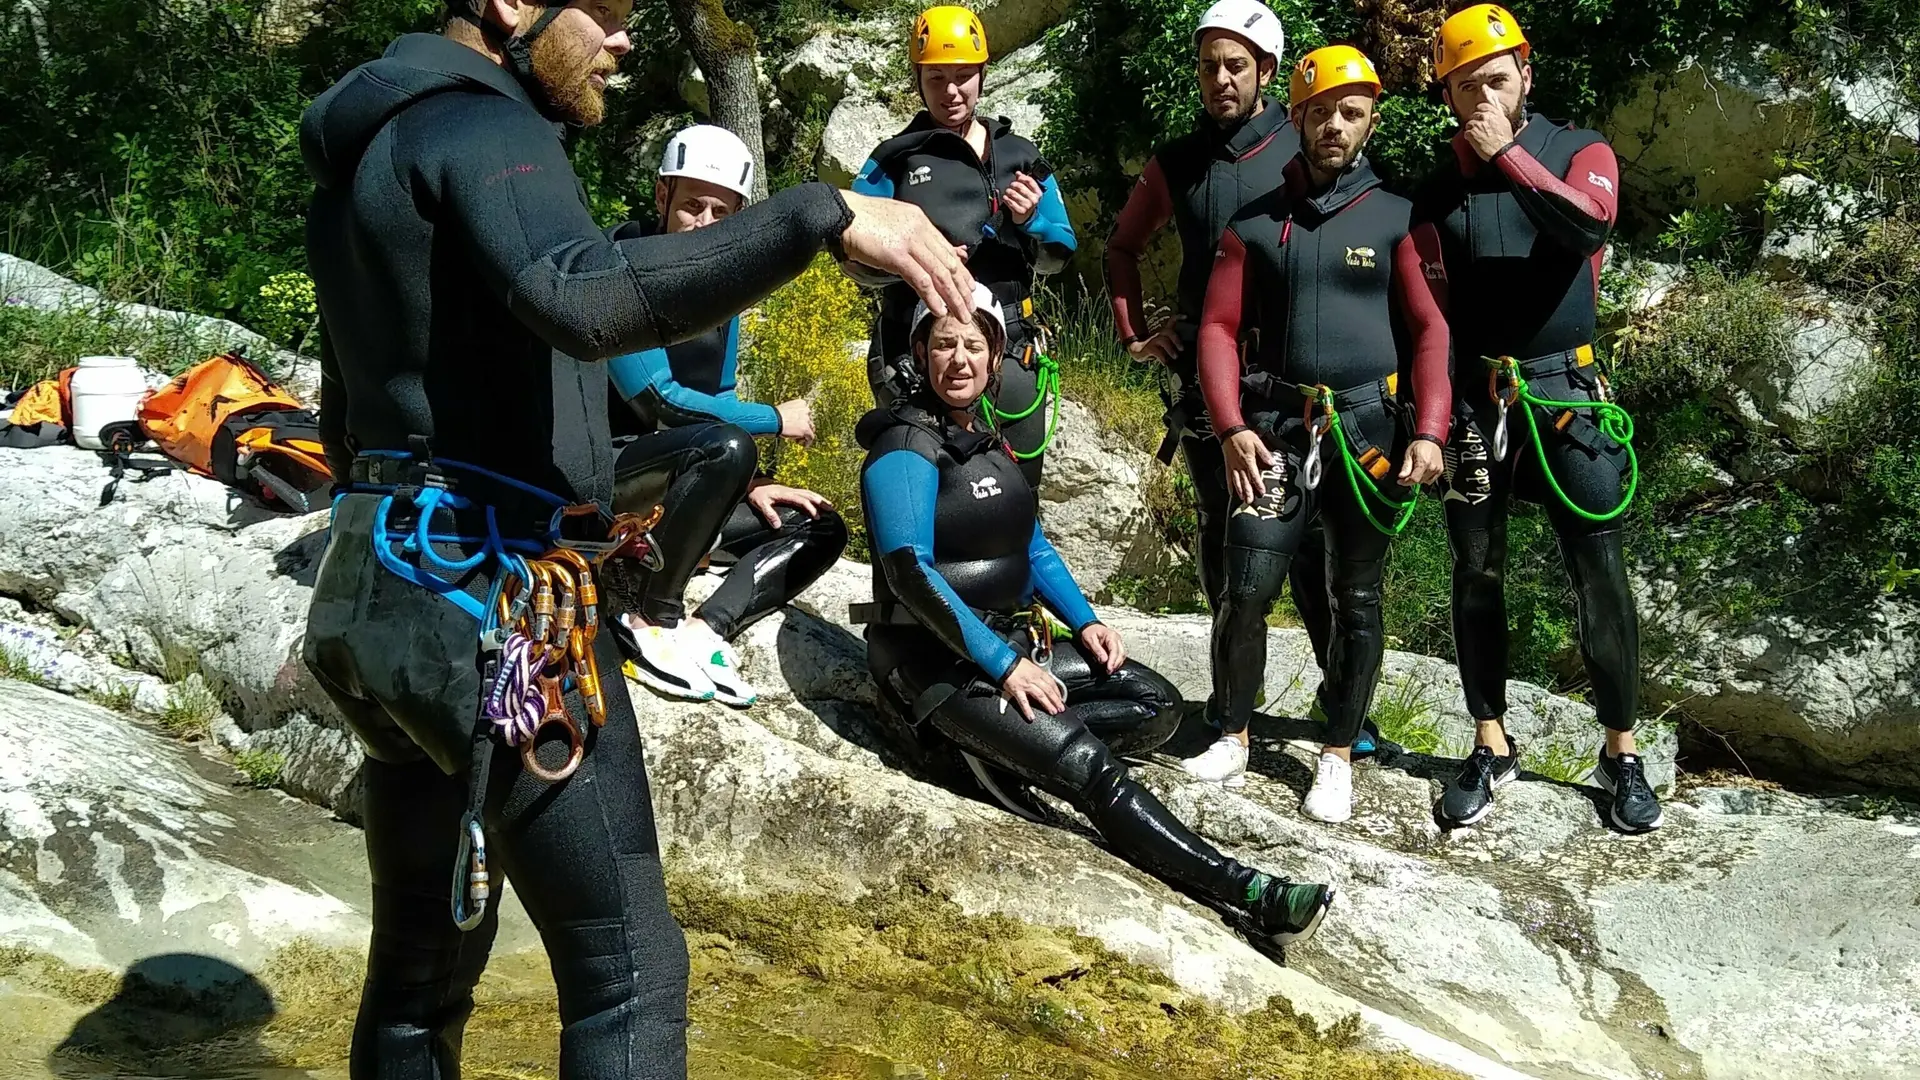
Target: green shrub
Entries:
(116, 696)
(262, 768)
(36, 345)
(801, 343)
(190, 709)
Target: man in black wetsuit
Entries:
(685, 441)
(1524, 207)
(468, 298)
(958, 645)
(1235, 153)
(1323, 322)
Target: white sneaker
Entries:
(719, 662)
(1330, 799)
(1225, 763)
(661, 664)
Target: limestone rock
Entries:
(854, 128)
(1829, 357)
(844, 61)
(865, 117)
(1806, 219)
(1090, 501)
(116, 844)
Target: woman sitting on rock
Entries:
(956, 639)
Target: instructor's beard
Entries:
(563, 66)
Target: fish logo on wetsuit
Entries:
(986, 487)
(920, 175)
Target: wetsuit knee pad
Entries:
(1254, 577)
(1086, 769)
(1479, 558)
(1355, 589)
(827, 532)
(731, 453)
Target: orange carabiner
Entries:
(588, 593)
(576, 743)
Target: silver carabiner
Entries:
(1310, 472)
(470, 862)
(1500, 434)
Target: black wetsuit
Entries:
(1523, 239)
(467, 293)
(685, 441)
(937, 170)
(1323, 289)
(1199, 181)
(958, 553)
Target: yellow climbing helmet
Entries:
(1331, 68)
(1476, 33)
(949, 34)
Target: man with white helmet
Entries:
(686, 442)
(1235, 153)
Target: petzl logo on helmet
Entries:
(1310, 71)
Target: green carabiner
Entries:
(1613, 422)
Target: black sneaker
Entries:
(1635, 809)
(1279, 912)
(1469, 796)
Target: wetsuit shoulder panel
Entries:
(648, 380)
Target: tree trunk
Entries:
(729, 58)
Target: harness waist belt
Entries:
(887, 613)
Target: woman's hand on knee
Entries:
(1030, 686)
(1102, 642)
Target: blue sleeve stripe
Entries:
(730, 362)
(1049, 222)
(650, 371)
(631, 373)
(1054, 582)
(872, 181)
(902, 492)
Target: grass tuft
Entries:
(262, 768)
(190, 709)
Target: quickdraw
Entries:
(1046, 389)
(1612, 420)
(1358, 478)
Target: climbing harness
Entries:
(1046, 389)
(1362, 470)
(536, 625)
(1612, 421)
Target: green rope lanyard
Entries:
(1046, 385)
(1358, 476)
(1612, 420)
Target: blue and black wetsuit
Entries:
(468, 296)
(685, 441)
(958, 554)
(937, 170)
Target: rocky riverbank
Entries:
(1761, 933)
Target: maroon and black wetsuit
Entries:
(1333, 288)
(1198, 182)
(1524, 237)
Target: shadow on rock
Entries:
(300, 560)
(175, 1015)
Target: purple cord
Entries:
(515, 702)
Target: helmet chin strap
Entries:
(517, 47)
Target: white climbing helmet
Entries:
(982, 301)
(713, 154)
(1249, 19)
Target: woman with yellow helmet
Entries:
(990, 192)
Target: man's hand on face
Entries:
(1488, 131)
